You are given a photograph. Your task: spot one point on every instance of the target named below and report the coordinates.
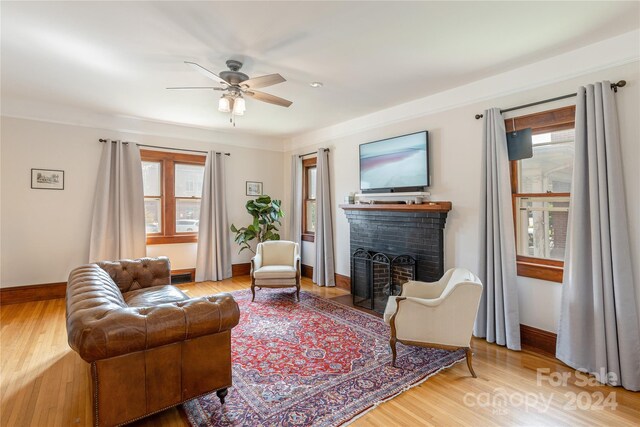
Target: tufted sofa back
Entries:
(132, 274)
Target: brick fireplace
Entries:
(393, 230)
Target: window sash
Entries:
(169, 160)
(161, 216)
(522, 237)
(543, 122)
(307, 165)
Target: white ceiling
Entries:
(116, 58)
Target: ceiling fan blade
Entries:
(264, 81)
(271, 99)
(213, 76)
(197, 87)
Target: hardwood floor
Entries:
(44, 383)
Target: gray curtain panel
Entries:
(598, 330)
(118, 227)
(213, 260)
(295, 213)
(498, 316)
(323, 271)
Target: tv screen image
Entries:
(395, 163)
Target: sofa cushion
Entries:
(275, 272)
(148, 297)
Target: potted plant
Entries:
(266, 213)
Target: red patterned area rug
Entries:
(312, 363)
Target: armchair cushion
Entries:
(278, 252)
(275, 272)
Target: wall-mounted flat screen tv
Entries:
(395, 164)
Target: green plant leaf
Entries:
(265, 213)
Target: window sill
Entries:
(309, 237)
(551, 273)
(167, 240)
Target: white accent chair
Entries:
(276, 265)
(439, 314)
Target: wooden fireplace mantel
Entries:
(424, 207)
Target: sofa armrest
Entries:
(132, 274)
(100, 333)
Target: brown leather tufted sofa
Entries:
(150, 346)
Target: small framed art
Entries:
(47, 179)
(254, 188)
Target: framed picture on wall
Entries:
(254, 188)
(47, 179)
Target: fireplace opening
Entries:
(375, 276)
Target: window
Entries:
(541, 188)
(309, 171)
(172, 193)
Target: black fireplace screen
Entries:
(375, 276)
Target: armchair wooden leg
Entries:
(469, 356)
(392, 344)
(222, 393)
(298, 292)
(253, 292)
(394, 335)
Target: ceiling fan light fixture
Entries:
(239, 107)
(224, 105)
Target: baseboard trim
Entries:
(306, 271)
(47, 291)
(29, 293)
(242, 269)
(538, 340)
(342, 282)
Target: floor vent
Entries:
(176, 279)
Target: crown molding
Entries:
(609, 53)
(65, 115)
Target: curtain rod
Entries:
(168, 148)
(313, 152)
(614, 86)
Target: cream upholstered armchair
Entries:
(439, 314)
(276, 265)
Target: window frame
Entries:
(307, 164)
(542, 122)
(168, 161)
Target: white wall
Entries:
(455, 139)
(45, 233)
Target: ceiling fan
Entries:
(236, 85)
